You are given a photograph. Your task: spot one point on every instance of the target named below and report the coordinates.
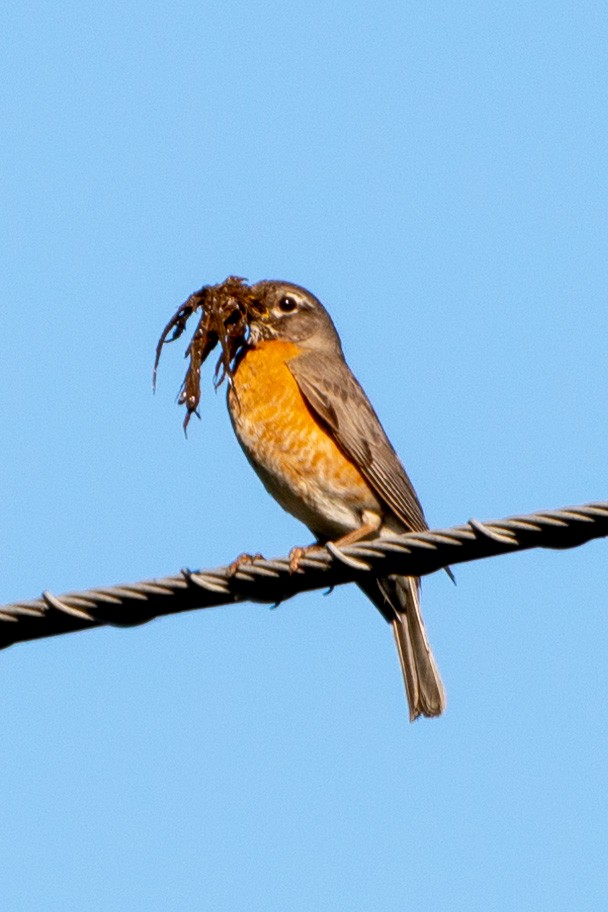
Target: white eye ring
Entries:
(287, 304)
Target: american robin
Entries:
(313, 437)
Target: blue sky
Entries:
(436, 173)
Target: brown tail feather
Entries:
(397, 599)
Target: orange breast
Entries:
(297, 460)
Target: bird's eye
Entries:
(287, 304)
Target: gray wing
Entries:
(334, 394)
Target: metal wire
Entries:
(271, 581)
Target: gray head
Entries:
(292, 314)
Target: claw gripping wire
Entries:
(272, 581)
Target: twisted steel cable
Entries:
(271, 581)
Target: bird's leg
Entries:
(371, 524)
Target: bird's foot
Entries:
(241, 560)
(296, 555)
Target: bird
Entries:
(312, 436)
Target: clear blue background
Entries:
(436, 173)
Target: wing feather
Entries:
(337, 398)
